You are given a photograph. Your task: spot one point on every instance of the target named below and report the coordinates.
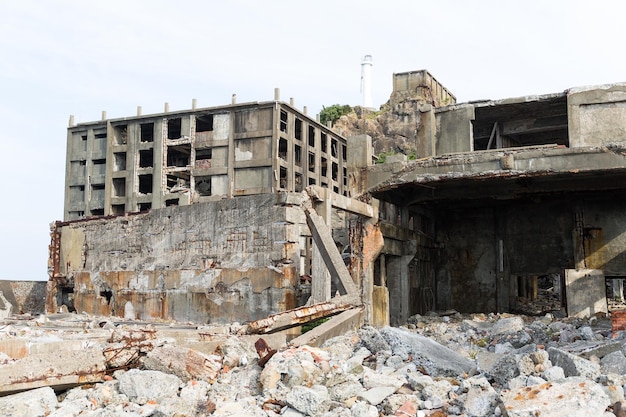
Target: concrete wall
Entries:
(230, 260)
(596, 115)
(604, 235)
(454, 130)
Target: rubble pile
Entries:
(436, 365)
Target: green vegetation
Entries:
(382, 157)
(313, 324)
(333, 113)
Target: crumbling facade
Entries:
(505, 193)
(239, 212)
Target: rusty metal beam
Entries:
(301, 315)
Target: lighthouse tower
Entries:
(366, 81)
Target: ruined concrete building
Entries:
(239, 212)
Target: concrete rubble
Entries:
(444, 364)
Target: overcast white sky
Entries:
(81, 57)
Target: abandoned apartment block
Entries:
(238, 212)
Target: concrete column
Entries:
(104, 115)
(233, 99)
(320, 284)
(359, 149)
(71, 123)
(277, 94)
(305, 110)
(383, 270)
(166, 107)
(399, 289)
(291, 102)
(194, 104)
(138, 110)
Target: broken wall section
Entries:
(230, 260)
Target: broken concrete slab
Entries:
(337, 325)
(185, 363)
(573, 365)
(144, 386)
(36, 402)
(58, 369)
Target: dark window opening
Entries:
(145, 184)
(333, 148)
(344, 153)
(311, 136)
(203, 186)
(174, 128)
(336, 189)
(298, 129)
(282, 148)
(204, 123)
(120, 161)
(145, 206)
(323, 142)
(67, 298)
(283, 121)
(178, 181)
(311, 181)
(283, 177)
(100, 135)
(81, 187)
(171, 202)
(324, 167)
(108, 294)
(311, 162)
(118, 209)
(96, 187)
(324, 185)
(335, 171)
(119, 187)
(97, 212)
(121, 134)
(82, 162)
(178, 156)
(145, 158)
(147, 132)
(297, 155)
(298, 186)
(202, 154)
(83, 137)
(345, 176)
(99, 161)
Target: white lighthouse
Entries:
(366, 81)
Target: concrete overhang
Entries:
(503, 174)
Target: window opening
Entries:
(345, 176)
(203, 186)
(283, 121)
(118, 209)
(174, 128)
(120, 161)
(333, 148)
(99, 161)
(145, 206)
(335, 171)
(145, 158)
(298, 129)
(311, 162)
(119, 187)
(97, 212)
(145, 184)
(282, 148)
(96, 187)
(100, 135)
(344, 153)
(324, 167)
(177, 182)
(121, 134)
(298, 186)
(323, 142)
(147, 132)
(178, 156)
(297, 155)
(171, 202)
(311, 136)
(204, 123)
(283, 177)
(311, 181)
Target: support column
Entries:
(320, 284)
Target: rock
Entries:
(574, 397)
(372, 379)
(376, 395)
(480, 402)
(310, 401)
(37, 402)
(507, 326)
(373, 340)
(505, 369)
(554, 373)
(143, 386)
(573, 365)
(614, 362)
(183, 362)
(435, 358)
(361, 409)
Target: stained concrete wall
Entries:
(25, 296)
(224, 261)
(593, 114)
(454, 130)
(604, 235)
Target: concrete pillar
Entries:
(359, 156)
(399, 288)
(320, 284)
(277, 94)
(71, 123)
(104, 114)
(291, 102)
(138, 110)
(194, 103)
(383, 270)
(305, 111)
(166, 108)
(233, 99)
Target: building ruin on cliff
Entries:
(238, 212)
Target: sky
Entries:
(74, 57)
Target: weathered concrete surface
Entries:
(25, 296)
(59, 368)
(336, 326)
(586, 292)
(225, 261)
